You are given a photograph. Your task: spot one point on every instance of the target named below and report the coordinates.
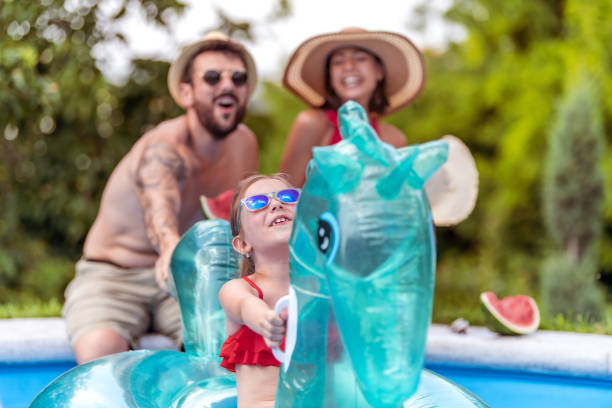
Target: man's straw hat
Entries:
(178, 66)
(453, 189)
(403, 63)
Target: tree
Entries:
(573, 206)
(573, 182)
(496, 88)
(64, 128)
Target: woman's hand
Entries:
(272, 327)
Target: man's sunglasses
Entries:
(212, 77)
(260, 201)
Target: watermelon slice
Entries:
(217, 207)
(511, 315)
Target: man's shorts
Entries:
(128, 301)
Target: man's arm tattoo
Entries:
(159, 173)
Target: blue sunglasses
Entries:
(258, 202)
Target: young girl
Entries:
(261, 220)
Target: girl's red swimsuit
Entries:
(247, 347)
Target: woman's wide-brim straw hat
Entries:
(403, 64)
(178, 66)
(453, 189)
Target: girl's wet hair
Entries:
(247, 265)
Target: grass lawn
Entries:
(444, 313)
(37, 308)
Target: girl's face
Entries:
(271, 226)
(354, 74)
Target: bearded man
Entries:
(152, 197)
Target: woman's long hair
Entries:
(247, 265)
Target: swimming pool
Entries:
(545, 369)
(502, 388)
(19, 384)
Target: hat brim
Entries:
(177, 68)
(453, 189)
(403, 63)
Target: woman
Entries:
(261, 220)
(382, 71)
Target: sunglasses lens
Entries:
(288, 196)
(212, 77)
(256, 202)
(239, 78)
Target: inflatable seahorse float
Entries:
(362, 265)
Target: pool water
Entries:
(19, 384)
(501, 389)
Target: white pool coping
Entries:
(551, 352)
(45, 340)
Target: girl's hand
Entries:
(273, 328)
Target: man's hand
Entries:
(162, 265)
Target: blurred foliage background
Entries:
(506, 89)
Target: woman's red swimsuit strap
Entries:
(332, 116)
(247, 347)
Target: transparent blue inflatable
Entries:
(362, 275)
(362, 272)
(201, 263)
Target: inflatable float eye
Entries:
(324, 234)
(328, 234)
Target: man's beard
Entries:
(217, 130)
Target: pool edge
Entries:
(44, 340)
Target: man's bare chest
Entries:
(212, 179)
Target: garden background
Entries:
(528, 89)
